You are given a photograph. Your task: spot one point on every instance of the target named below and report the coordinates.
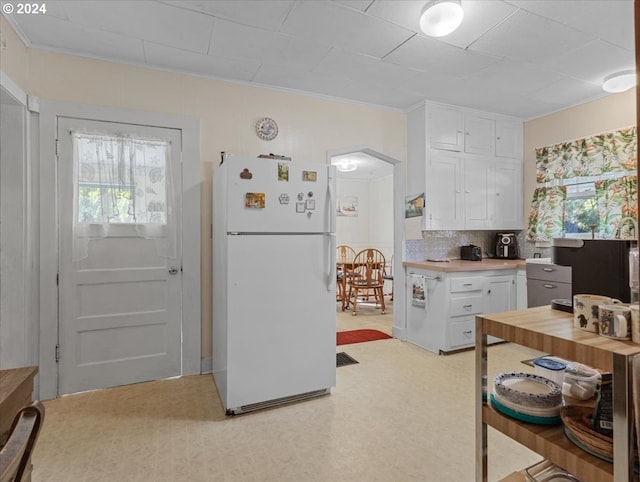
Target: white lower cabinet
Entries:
(453, 299)
(521, 289)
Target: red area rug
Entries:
(359, 336)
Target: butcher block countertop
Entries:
(462, 265)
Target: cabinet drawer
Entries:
(549, 272)
(460, 285)
(462, 333)
(469, 305)
(540, 292)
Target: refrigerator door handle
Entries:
(331, 277)
(331, 209)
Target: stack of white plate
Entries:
(527, 397)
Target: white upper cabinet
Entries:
(446, 129)
(454, 129)
(444, 199)
(479, 136)
(471, 163)
(459, 193)
(508, 202)
(478, 201)
(508, 139)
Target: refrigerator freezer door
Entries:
(281, 328)
(266, 195)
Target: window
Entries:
(120, 179)
(580, 207)
(581, 213)
(586, 186)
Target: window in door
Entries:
(120, 179)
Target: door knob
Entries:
(173, 270)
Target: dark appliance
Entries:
(506, 246)
(599, 266)
(471, 252)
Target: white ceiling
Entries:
(524, 58)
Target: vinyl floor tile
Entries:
(400, 414)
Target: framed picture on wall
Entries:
(347, 206)
(414, 206)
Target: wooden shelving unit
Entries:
(552, 331)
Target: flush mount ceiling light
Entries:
(441, 17)
(619, 82)
(346, 165)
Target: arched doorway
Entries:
(377, 165)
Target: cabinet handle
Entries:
(468, 284)
(498, 137)
(550, 286)
(467, 191)
(467, 332)
(548, 270)
(458, 191)
(467, 307)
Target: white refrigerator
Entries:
(274, 312)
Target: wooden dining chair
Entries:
(344, 263)
(367, 276)
(15, 454)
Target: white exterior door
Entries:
(120, 287)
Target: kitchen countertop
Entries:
(463, 265)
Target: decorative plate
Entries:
(528, 390)
(523, 417)
(535, 411)
(267, 129)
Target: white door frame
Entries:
(399, 318)
(191, 179)
(20, 328)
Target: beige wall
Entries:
(13, 59)
(602, 115)
(227, 112)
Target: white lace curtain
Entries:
(120, 181)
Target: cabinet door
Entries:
(501, 294)
(521, 290)
(478, 198)
(479, 135)
(507, 194)
(508, 139)
(446, 128)
(444, 199)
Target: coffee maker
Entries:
(506, 246)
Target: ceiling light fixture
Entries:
(619, 82)
(441, 17)
(346, 165)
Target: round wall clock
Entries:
(267, 129)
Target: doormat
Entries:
(359, 336)
(342, 360)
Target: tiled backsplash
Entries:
(446, 244)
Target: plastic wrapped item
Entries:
(545, 471)
(580, 381)
(550, 368)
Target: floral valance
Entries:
(614, 151)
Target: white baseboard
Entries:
(206, 365)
